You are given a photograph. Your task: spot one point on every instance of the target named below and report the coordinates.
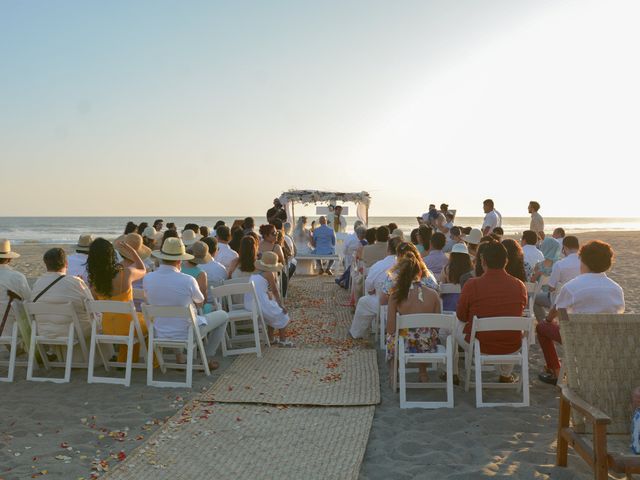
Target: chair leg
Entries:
(525, 373)
(12, 355)
(450, 346)
(32, 352)
(478, 364)
(190, 357)
(402, 373)
(564, 415)
(600, 465)
(67, 369)
(150, 352)
(92, 352)
(127, 375)
(256, 336)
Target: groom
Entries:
(324, 242)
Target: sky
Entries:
(216, 107)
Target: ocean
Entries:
(67, 229)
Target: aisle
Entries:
(304, 412)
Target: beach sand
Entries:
(62, 431)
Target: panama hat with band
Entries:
(84, 242)
(134, 241)
(268, 263)
(474, 237)
(200, 252)
(189, 237)
(149, 232)
(460, 248)
(172, 250)
(5, 250)
(397, 233)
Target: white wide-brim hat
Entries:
(189, 237)
(268, 263)
(172, 250)
(474, 237)
(5, 250)
(84, 243)
(460, 248)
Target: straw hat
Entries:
(200, 252)
(134, 241)
(268, 263)
(84, 242)
(460, 248)
(172, 249)
(189, 237)
(474, 236)
(5, 250)
(397, 233)
(149, 232)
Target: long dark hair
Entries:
(425, 236)
(459, 264)
(515, 259)
(102, 266)
(407, 271)
(248, 253)
(479, 271)
(236, 238)
(130, 227)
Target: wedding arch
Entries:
(307, 197)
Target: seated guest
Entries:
(78, 261)
(424, 238)
(9, 278)
(110, 280)
(248, 225)
(494, 294)
(370, 239)
(590, 292)
(130, 227)
(225, 255)
(169, 233)
(568, 267)
(409, 295)
(290, 247)
(236, 236)
(324, 243)
(189, 237)
(391, 227)
(551, 251)
(436, 259)
(149, 238)
(558, 234)
(473, 240)
(245, 264)
(459, 264)
(274, 312)
(172, 226)
(141, 228)
(351, 246)
(168, 286)
(477, 264)
(192, 268)
(397, 233)
(269, 242)
(193, 227)
(455, 237)
(144, 252)
(499, 232)
(57, 287)
(413, 236)
(219, 223)
(287, 253)
(157, 227)
(367, 307)
(216, 273)
(516, 266)
(532, 256)
(204, 231)
(373, 253)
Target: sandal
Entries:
(286, 343)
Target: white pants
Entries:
(503, 369)
(366, 311)
(214, 330)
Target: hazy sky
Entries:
(213, 108)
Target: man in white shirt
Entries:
(562, 271)
(216, 273)
(168, 286)
(57, 287)
(537, 222)
(16, 282)
(225, 254)
(532, 255)
(78, 261)
(590, 292)
(367, 307)
(492, 218)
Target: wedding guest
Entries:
(169, 287)
(11, 280)
(225, 255)
(473, 240)
(351, 247)
(495, 294)
(169, 233)
(551, 251)
(141, 228)
(277, 211)
(149, 237)
(216, 273)
(370, 239)
(537, 222)
(590, 292)
(269, 242)
(110, 280)
(157, 224)
(172, 226)
(248, 225)
(455, 237)
(324, 243)
(204, 231)
(192, 268)
(424, 238)
(219, 223)
(499, 232)
(516, 265)
(244, 265)
(532, 256)
(492, 217)
(559, 234)
(459, 264)
(130, 227)
(436, 259)
(302, 237)
(373, 253)
(236, 236)
(77, 262)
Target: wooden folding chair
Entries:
(74, 337)
(135, 337)
(444, 355)
(155, 345)
(521, 357)
(240, 314)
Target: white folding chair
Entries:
(444, 354)
(520, 357)
(239, 314)
(135, 337)
(448, 288)
(380, 325)
(68, 341)
(533, 289)
(155, 345)
(10, 341)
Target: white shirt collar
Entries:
(164, 267)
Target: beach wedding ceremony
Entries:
(339, 240)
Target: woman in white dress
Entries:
(274, 312)
(302, 237)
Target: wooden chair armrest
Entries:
(591, 412)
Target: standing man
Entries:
(324, 242)
(277, 211)
(336, 220)
(537, 222)
(492, 218)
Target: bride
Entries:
(302, 237)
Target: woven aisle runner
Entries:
(270, 436)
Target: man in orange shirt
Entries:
(494, 294)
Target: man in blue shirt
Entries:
(324, 242)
